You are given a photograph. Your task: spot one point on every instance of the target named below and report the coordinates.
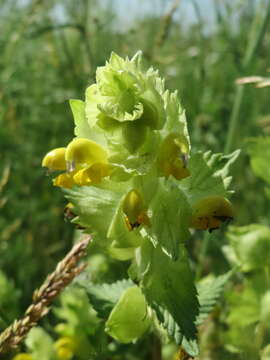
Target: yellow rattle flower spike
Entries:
(55, 159)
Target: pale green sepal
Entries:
(122, 254)
(170, 218)
(81, 125)
(129, 319)
(175, 117)
(92, 99)
(123, 240)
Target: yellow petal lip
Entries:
(172, 157)
(64, 180)
(135, 210)
(55, 159)
(92, 174)
(81, 151)
(210, 212)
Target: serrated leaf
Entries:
(170, 218)
(208, 175)
(208, 293)
(129, 319)
(95, 208)
(169, 285)
(191, 347)
(104, 297)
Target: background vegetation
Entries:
(49, 53)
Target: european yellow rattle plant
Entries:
(133, 183)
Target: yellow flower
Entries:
(65, 180)
(92, 174)
(135, 211)
(210, 212)
(55, 159)
(86, 163)
(80, 152)
(172, 157)
(65, 347)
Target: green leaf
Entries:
(251, 245)
(191, 347)
(95, 208)
(169, 285)
(259, 151)
(129, 319)
(208, 175)
(176, 118)
(104, 297)
(170, 218)
(209, 291)
(81, 126)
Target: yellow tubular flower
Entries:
(209, 213)
(82, 151)
(64, 180)
(172, 157)
(55, 159)
(92, 174)
(135, 211)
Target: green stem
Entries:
(257, 33)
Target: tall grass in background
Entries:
(49, 53)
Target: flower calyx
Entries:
(135, 210)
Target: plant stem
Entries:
(257, 33)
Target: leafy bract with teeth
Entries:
(168, 285)
(209, 175)
(170, 218)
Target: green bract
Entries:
(133, 184)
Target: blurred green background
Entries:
(49, 54)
